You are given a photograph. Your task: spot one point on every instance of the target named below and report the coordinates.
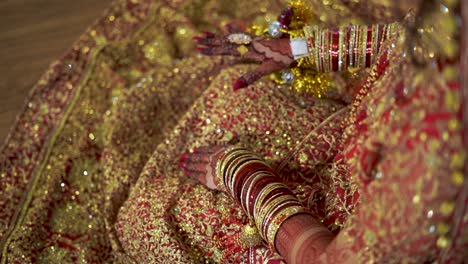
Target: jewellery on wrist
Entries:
(222, 163)
(278, 220)
(275, 210)
(243, 172)
(246, 192)
(273, 202)
(249, 198)
(259, 191)
(263, 194)
(234, 166)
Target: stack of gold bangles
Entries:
(258, 190)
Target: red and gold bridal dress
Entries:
(89, 172)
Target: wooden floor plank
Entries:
(33, 33)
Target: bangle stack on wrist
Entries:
(262, 195)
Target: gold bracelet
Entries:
(237, 161)
(226, 160)
(220, 162)
(271, 206)
(363, 44)
(375, 40)
(257, 176)
(352, 37)
(235, 169)
(268, 203)
(278, 220)
(262, 195)
(327, 52)
(270, 216)
(342, 50)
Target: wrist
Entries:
(302, 238)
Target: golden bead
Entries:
(446, 208)
(250, 236)
(442, 228)
(443, 242)
(457, 178)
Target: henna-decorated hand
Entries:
(272, 54)
(201, 165)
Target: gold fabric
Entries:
(89, 173)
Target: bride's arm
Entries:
(324, 36)
(299, 237)
(302, 239)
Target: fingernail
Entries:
(239, 84)
(181, 164)
(197, 38)
(206, 52)
(182, 160)
(208, 33)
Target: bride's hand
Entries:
(271, 53)
(201, 165)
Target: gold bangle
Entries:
(244, 199)
(256, 178)
(229, 174)
(278, 220)
(375, 40)
(352, 37)
(271, 206)
(263, 193)
(363, 46)
(268, 203)
(235, 169)
(226, 161)
(326, 45)
(220, 164)
(270, 216)
(274, 204)
(341, 50)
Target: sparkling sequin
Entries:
(134, 83)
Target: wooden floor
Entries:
(32, 34)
